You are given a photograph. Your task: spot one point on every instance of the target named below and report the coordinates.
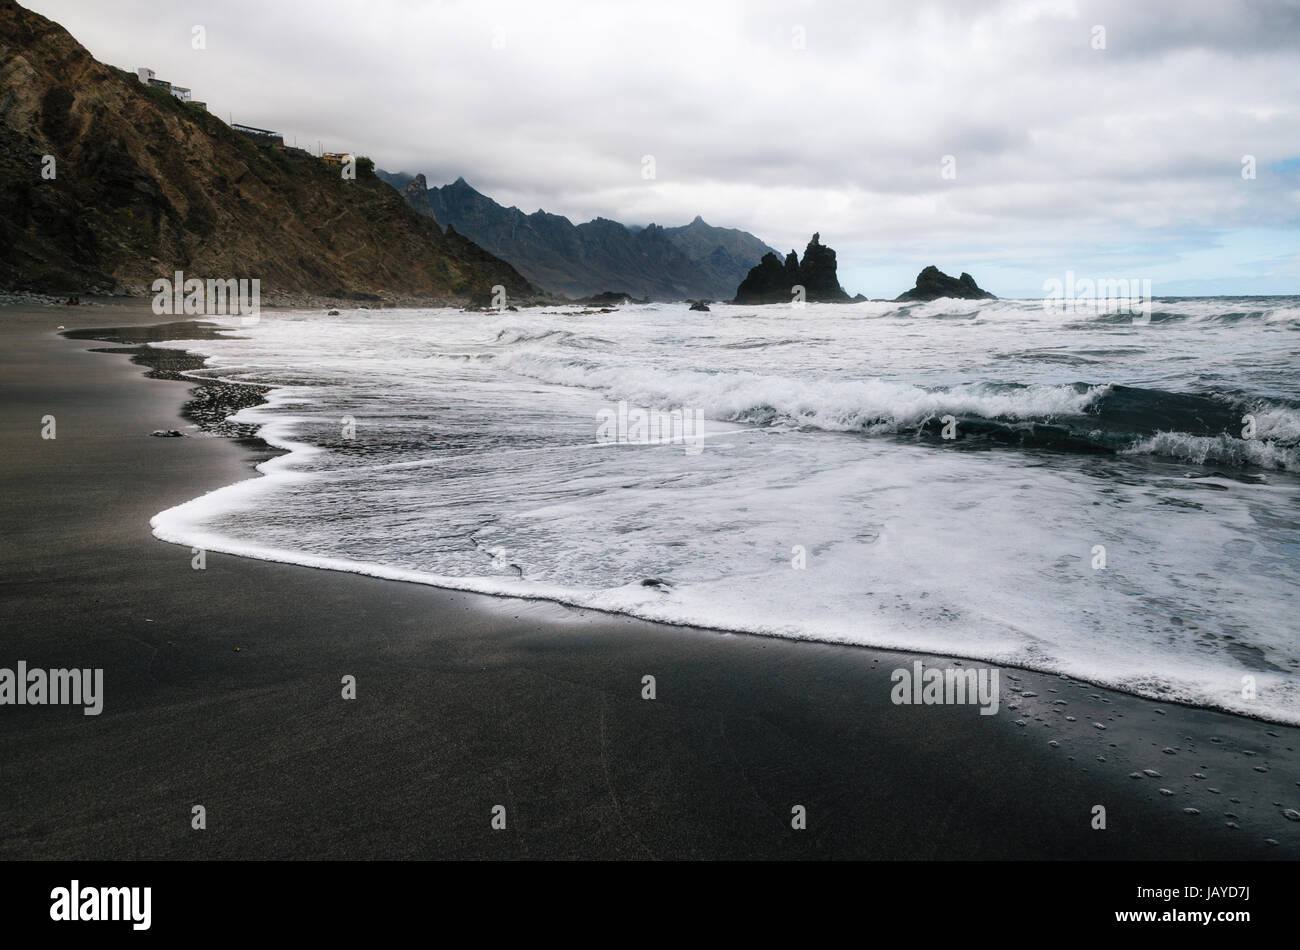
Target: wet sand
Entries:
(223, 689)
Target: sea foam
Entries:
(820, 506)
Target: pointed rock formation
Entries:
(818, 272)
(774, 282)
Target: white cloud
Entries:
(1062, 150)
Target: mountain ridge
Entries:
(691, 261)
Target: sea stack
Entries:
(773, 281)
(932, 284)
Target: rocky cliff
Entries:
(138, 185)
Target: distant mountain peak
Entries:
(692, 261)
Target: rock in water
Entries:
(168, 433)
(610, 298)
(702, 305)
(932, 284)
(772, 281)
(817, 273)
(769, 281)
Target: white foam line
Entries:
(497, 453)
(177, 525)
(588, 600)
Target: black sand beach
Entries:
(222, 689)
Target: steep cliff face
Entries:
(143, 185)
(691, 261)
(773, 281)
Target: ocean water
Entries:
(1098, 511)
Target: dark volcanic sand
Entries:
(212, 401)
(222, 688)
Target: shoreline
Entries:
(228, 397)
(499, 690)
(214, 400)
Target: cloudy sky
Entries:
(1015, 139)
